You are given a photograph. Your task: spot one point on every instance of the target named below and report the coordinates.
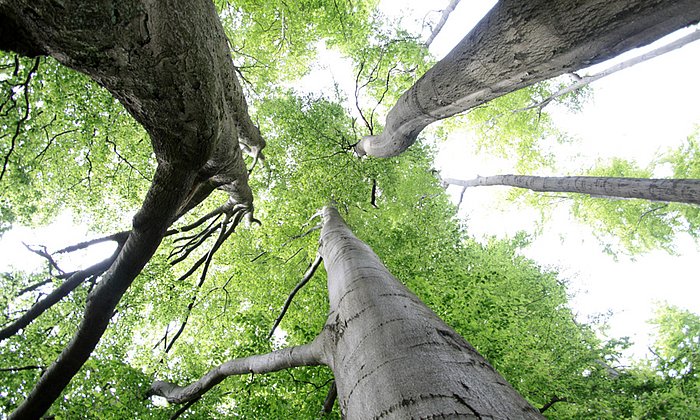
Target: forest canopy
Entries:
(221, 231)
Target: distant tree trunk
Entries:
(392, 356)
(668, 190)
(519, 43)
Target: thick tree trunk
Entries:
(392, 357)
(519, 43)
(169, 64)
(668, 190)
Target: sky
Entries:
(634, 114)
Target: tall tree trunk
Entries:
(668, 190)
(519, 43)
(391, 355)
(168, 63)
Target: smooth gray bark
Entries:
(169, 64)
(307, 355)
(393, 357)
(668, 190)
(519, 43)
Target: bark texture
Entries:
(169, 64)
(519, 43)
(392, 357)
(668, 190)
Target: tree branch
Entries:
(310, 354)
(330, 399)
(307, 276)
(551, 402)
(54, 297)
(586, 80)
(443, 19)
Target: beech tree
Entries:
(667, 190)
(544, 39)
(169, 66)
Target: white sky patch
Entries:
(59, 234)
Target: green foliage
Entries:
(274, 42)
(514, 127)
(76, 149)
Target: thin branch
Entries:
(373, 199)
(119, 237)
(443, 19)
(648, 212)
(307, 276)
(223, 235)
(33, 287)
(551, 402)
(586, 80)
(184, 408)
(357, 97)
(54, 297)
(21, 368)
(23, 119)
(310, 354)
(330, 399)
(48, 257)
(125, 160)
(293, 238)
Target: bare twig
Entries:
(307, 276)
(23, 119)
(551, 402)
(330, 399)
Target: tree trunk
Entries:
(392, 357)
(668, 190)
(519, 43)
(169, 64)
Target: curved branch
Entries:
(551, 402)
(307, 276)
(310, 354)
